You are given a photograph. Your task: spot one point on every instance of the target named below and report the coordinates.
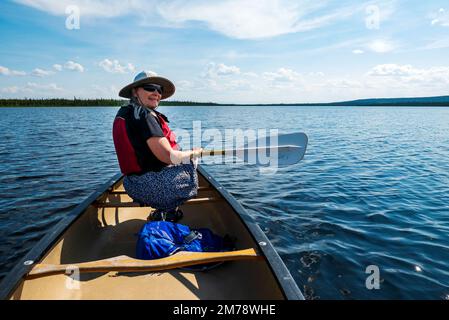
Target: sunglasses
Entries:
(153, 87)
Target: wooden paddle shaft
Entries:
(127, 264)
(237, 151)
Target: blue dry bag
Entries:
(159, 239)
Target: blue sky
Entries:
(228, 51)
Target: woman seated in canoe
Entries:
(157, 173)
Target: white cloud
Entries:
(73, 66)
(114, 66)
(407, 73)
(41, 73)
(440, 18)
(338, 45)
(250, 74)
(46, 87)
(358, 51)
(437, 44)
(381, 46)
(57, 67)
(282, 75)
(4, 71)
(249, 19)
(13, 89)
(92, 8)
(343, 83)
(7, 72)
(288, 85)
(214, 70)
(391, 70)
(220, 78)
(184, 85)
(238, 84)
(33, 88)
(253, 19)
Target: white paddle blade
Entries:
(297, 145)
(279, 150)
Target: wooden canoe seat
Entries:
(137, 204)
(122, 191)
(127, 264)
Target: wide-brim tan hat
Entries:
(145, 78)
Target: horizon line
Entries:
(229, 104)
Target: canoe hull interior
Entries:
(105, 232)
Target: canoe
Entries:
(90, 254)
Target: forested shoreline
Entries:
(83, 103)
(442, 101)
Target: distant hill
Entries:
(424, 101)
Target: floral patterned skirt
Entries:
(166, 189)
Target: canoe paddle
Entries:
(281, 150)
(127, 264)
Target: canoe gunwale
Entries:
(282, 274)
(20, 270)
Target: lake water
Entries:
(373, 189)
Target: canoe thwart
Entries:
(136, 204)
(120, 191)
(127, 264)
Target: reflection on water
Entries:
(373, 189)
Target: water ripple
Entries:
(373, 189)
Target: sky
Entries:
(226, 51)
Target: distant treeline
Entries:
(442, 101)
(59, 102)
(85, 103)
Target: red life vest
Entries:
(170, 135)
(127, 156)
